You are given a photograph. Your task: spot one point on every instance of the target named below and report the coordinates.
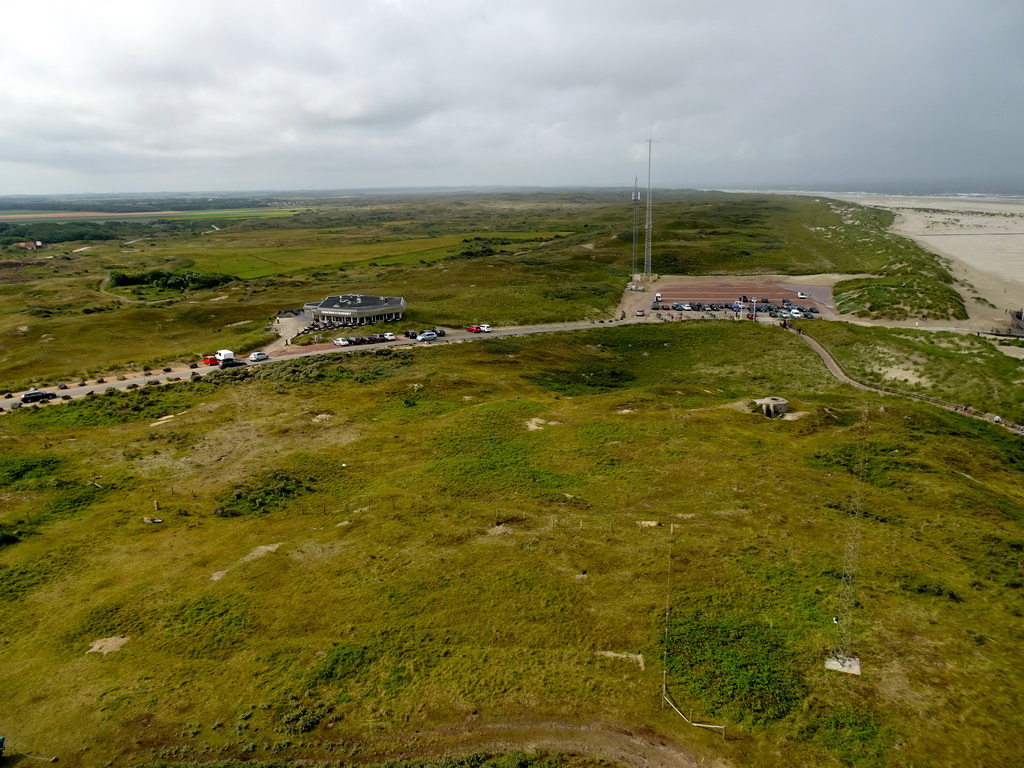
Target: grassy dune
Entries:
(504, 259)
(969, 370)
(402, 540)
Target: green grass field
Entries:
(457, 530)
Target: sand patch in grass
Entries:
(107, 645)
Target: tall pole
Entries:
(636, 210)
(647, 223)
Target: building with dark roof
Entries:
(353, 309)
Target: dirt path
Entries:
(636, 748)
(832, 364)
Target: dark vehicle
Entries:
(38, 396)
(750, 315)
(232, 363)
(439, 331)
(377, 338)
(808, 316)
(410, 334)
(814, 310)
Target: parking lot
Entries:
(724, 291)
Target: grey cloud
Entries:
(313, 93)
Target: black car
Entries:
(38, 396)
(232, 363)
(439, 331)
(410, 334)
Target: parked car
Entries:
(341, 342)
(232, 363)
(410, 334)
(256, 357)
(485, 328)
(210, 360)
(802, 295)
(427, 336)
(439, 331)
(389, 337)
(640, 313)
(38, 396)
(473, 328)
(813, 309)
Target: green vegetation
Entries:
(187, 280)
(737, 668)
(359, 548)
(387, 547)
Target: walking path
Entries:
(837, 370)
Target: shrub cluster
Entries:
(187, 280)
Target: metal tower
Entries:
(636, 209)
(647, 224)
(843, 658)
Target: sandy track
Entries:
(637, 748)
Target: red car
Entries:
(474, 329)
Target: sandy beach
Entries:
(982, 237)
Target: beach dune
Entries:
(983, 239)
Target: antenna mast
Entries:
(647, 224)
(636, 209)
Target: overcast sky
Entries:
(182, 95)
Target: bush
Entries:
(734, 666)
(272, 492)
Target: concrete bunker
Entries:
(773, 407)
